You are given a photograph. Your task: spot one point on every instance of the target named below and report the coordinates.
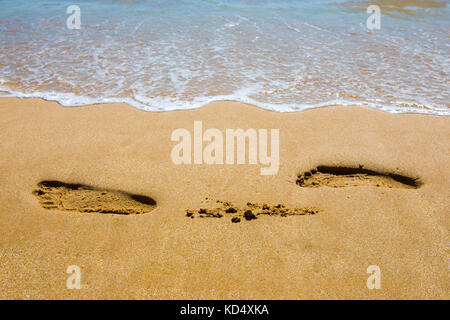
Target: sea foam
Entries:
(285, 56)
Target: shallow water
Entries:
(280, 55)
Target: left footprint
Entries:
(58, 195)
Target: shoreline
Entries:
(163, 254)
(409, 110)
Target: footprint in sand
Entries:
(58, 195)
(338, 177)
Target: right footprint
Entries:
(339, 177)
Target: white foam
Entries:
(276, 55)
(160, 104)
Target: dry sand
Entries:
(165, 254)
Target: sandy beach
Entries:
(159, 252)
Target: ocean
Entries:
(282, 55)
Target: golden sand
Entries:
(363, 218)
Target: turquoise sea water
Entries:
(281, 55)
